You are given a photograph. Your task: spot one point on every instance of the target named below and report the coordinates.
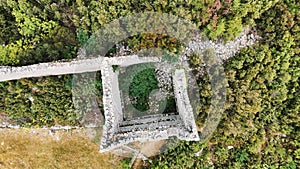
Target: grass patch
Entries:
(140, 88)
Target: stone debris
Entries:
(222, 51)
(199, 152)
(31, 99)
(230, 147)
(164, 78)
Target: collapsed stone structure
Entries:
(117, 132)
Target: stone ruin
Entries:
(118, 132)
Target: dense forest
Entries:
(261, 123)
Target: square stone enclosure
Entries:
(152, 89)
(117, 132)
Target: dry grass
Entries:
(38, 149)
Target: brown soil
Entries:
(138, 163)
(152, 148)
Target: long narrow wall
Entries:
(63, 67)
(184, 107)
(110, 127)
(50, 68)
